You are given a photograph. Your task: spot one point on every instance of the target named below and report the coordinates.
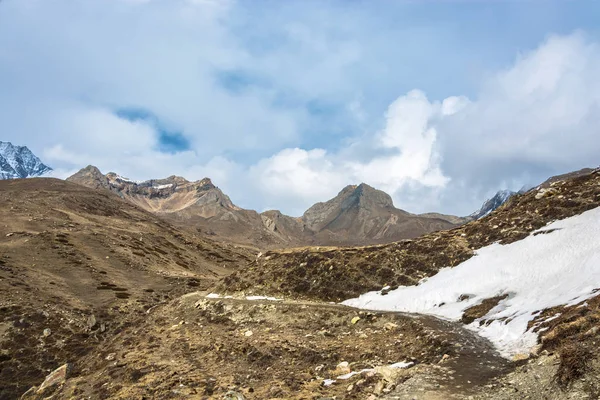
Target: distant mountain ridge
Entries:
(358, 215)
(19, 162)
(494, 203)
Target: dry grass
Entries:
(481, 309)
(575, 360)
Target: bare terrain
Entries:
(102, 299)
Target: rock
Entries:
(355, 320)
(231, 395)
(390, 326)
(9, 234)
(545, 193)
(389, 374)
(592, 331)
(445, 358)
(47, 332)
(248, 333)
(378, 388)
(56, 377)
(111, 357)
(520, 357)
(536, 350)
(350, 387)
(91, 322)
(342, 368)
(275, 391)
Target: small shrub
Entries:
(575, 361)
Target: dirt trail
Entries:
(474, 363)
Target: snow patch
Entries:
(123, 179)
(402, 365)
(561, 267)
(254, 298)
(159, 187)
(249, 298)
(351, 374)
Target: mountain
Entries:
(492, 204)
(19, 162)
(199, 205)
(359, 214)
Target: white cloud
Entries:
(407, 159)
(535, 119)
(297, 177)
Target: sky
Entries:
(283, 103)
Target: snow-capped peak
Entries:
(492, 204)
(19, 162)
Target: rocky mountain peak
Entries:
(90, 176)
(171, 194)
(362, 196)
(206, 184)
(369, 195)
(19, 162)
(492, 204)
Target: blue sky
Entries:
(440, 103)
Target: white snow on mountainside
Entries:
(556, 265)
(19, 162)
(492, 204)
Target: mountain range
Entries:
(19, 162)
(358, 215)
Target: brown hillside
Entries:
(68, 253)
